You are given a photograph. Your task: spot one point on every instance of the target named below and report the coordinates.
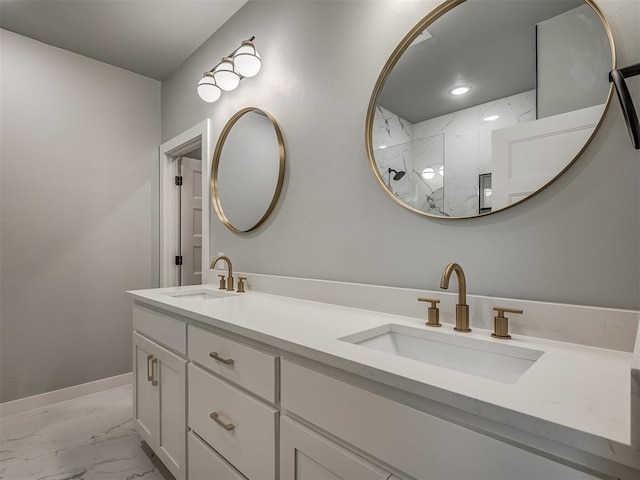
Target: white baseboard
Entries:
(44, 399)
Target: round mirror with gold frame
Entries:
(484, 103)
(248, 170)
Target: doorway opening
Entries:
(184, 207)
(190, 184)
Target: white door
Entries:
(527, 156)
(191, 221)
(305, 455)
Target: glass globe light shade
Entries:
(225, 75)
(208, 90)
(247, 60)
(428, 173)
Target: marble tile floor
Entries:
(86, 438)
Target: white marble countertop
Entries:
(576, 395)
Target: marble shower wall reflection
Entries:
(456, 147)
(395, 148)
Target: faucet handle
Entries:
(433, 312)
(223, 283)
(501, 323)
(241, 284)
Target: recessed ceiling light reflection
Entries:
(491, 118)
(382, 146)
(460, 90)
(441, 170)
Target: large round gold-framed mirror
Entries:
(484, 103)
(248, 170)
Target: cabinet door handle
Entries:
(226, 361)
(216, 418)
(149, 373)
(154, 371)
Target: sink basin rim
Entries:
(491, 346)
(199, 294)
(480, 358)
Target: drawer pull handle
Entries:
(149, 374)
(154, 370)
(216, 418)
(226, 361)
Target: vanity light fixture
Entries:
(460, 90)
(491, 118)
(243, 62)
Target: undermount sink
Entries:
(500, 362)
(201, 294)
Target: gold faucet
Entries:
(462, 309)
(228, 285)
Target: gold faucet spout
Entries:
(462, 281)
(229, 269)
(462, 309)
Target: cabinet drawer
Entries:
(415, 442)
(251, 445)
(164, 329)
(252, 369)
(205, 463)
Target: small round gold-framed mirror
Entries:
(485, 103)
(248, 170)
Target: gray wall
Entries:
(79, 155)
(576, 242)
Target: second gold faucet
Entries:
(228, 284)
(462, 309)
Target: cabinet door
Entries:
(306, 455)
(145, 411)
(171, 392)
(159, 410)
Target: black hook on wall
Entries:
(628, 109)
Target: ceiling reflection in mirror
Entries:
(504, 92)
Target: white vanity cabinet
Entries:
(213, 403)
(159, 402)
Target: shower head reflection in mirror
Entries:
(536, 88)
(397, 174)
